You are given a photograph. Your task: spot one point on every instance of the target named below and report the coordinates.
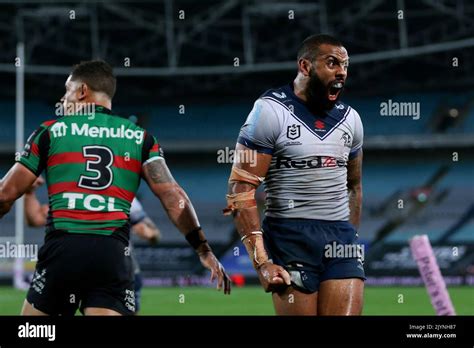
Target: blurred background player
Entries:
(36, 216)
(143, 227)
(94, 162)
(309, 154)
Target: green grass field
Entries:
(253, 301)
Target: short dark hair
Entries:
(310, 46)
(96, 74)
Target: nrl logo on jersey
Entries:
(60, 129)
(347, 139)
(293, 132)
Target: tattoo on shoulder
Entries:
(158, 172)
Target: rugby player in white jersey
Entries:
(309, 156)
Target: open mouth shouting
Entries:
(334, 89)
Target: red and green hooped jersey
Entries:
(93, 166)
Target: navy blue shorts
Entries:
(313, 251)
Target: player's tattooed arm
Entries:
(13, 185)
(181, 212)
(354, 186)
(175, 201)
(159, 172)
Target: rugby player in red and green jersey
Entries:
(93, 163)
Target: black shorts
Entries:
(313, 251)
(80, 271)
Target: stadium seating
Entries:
(221, 122)
(464, 234)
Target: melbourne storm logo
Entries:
(347, 139)
(293, 132)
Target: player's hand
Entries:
(147, 230)
(37, 183)
(273, 277)
(153, 240)
(209, 261)
(155, 237)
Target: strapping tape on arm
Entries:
(241, 175)
(242, 200)
(254, 244)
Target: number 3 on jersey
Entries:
(99, 160)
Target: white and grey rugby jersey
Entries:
(307, 177)
(137, 214)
